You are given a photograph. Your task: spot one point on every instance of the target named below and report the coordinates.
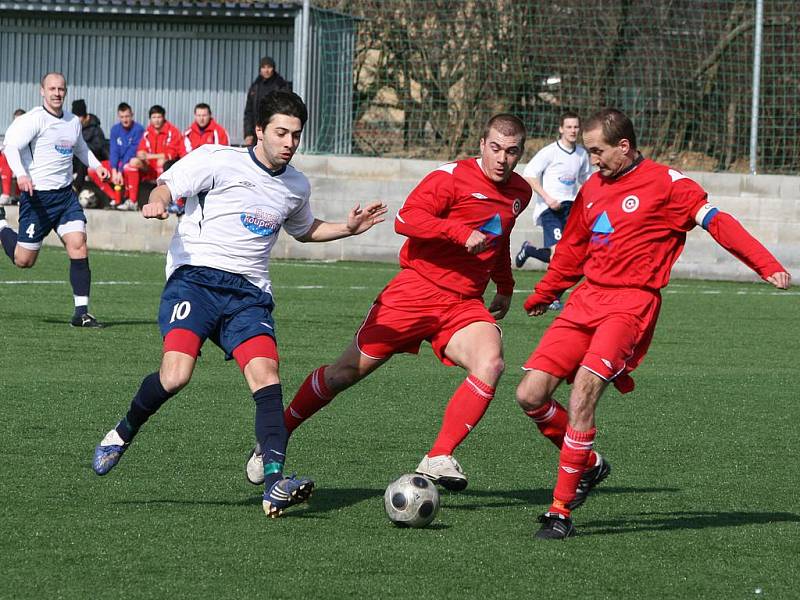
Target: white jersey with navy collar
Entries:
(46, 144)
(561, 173)
(235, 208)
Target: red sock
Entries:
(131, 177)
(552, 420)
(576, 452)
(464, 410)
(312, 396)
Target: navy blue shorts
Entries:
(553, 224)
(216, 305)
(45, 211)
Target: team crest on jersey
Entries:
(630, 204)
(63, 147)
(261, 223)
(517, 206)
(602, 230)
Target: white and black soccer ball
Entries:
(87, 198)
(411, 501)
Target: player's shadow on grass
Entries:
(106, 324)
(670, 521)
(537, 496)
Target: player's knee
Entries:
(175, 379)
(491, 370)
(529, 396)
(24, 262)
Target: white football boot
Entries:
(254, 468)
(443, 470)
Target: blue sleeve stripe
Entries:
(708, 217)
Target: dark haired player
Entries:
(626, 230)
(218, 283)
(457, 221)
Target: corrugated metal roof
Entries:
(181, 8)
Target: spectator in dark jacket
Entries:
(268, 80)
(94, 137)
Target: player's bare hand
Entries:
(535, 305)
(25, 184)
(781, 280)
(116, 177)
(476, 242)
(499, 306)
(102, 173)
(155, 210)
(361, 219)
(538, 310)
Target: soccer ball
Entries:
(411, 501)
(87, 198)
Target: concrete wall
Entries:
(767, 205)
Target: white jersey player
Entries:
(218, 278)
(555, 173)
(39, 148)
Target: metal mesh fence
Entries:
(427, 73)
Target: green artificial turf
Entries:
(702, 501)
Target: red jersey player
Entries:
(162, 142)
(626, 230)
(457, 221)
(204, 130)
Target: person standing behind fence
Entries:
(39, 147)
(125, 138)
(268, 80)
(6, 175)
(204, 130)
(555, 174)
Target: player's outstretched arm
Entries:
(156, 207)
(359, 220)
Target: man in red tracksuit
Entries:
(162, 142)
(626, 230)
(457, 221)
(204, 130)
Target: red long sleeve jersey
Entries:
(214, 133)
(629, 231)
(440, 214)
(168, 141)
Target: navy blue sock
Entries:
(150, 397)
(271, 431)
(80, 277)
(543, 254)
(8, 237)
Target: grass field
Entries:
(703, 501)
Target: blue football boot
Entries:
(108, 452)
(284, 493)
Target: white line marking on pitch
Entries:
(65, 282)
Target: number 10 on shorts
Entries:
(180, 311)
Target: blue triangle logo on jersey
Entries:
(493, 225)
(602, 224)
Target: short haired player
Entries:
(627, 228)
(555, 173)
(39, 146)
(218, 283)
(457, 221)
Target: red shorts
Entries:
(410, 310)
(605, 330)
(152, 171)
